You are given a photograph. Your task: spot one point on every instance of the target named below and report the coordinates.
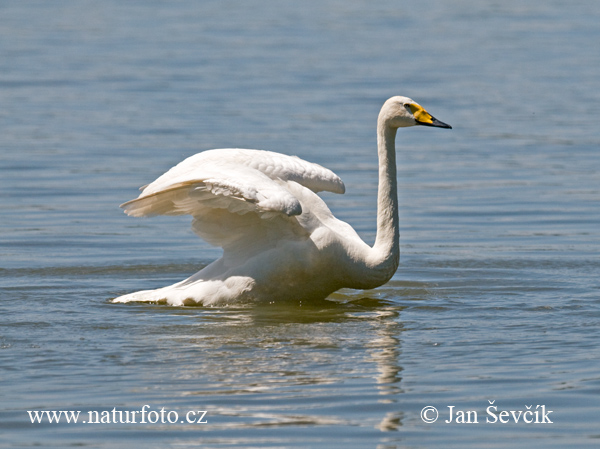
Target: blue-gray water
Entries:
(497, 297)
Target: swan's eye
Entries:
(407, 106)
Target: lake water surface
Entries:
(497, 298)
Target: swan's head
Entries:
(400, 112)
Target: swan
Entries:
(280, 240)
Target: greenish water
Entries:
(497, 297)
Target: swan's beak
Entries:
(424, 118)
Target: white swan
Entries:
(280, 240)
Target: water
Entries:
(497, 297)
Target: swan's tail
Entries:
(143, 296)
(196, 291)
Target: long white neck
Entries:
(384, 257)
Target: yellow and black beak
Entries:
(425, 118)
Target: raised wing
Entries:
(239, 190)
(273, 165)
(237, 197)
(238, 180)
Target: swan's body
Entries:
(280, 240)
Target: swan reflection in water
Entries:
(273, 365)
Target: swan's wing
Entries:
(226, 162)
(238, 190)
(243, 216)
(242, 200)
